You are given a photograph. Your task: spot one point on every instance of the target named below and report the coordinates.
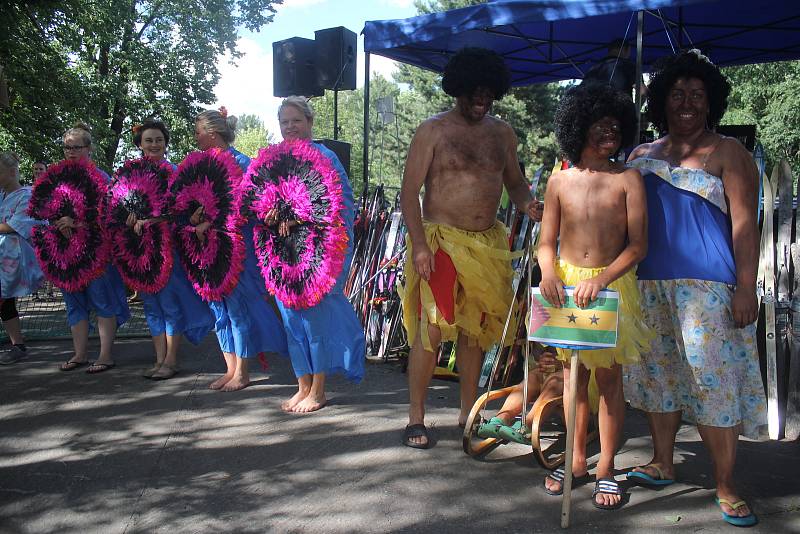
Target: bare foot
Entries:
(221, 381)
(235, 384)
(288, 405)
(310, 404)
(462, 420)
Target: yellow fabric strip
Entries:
(482, 292)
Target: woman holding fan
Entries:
(140, 206)
(306, 250)
(74, 250)
(247, 324)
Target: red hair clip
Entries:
(223, 111)
(136, 129)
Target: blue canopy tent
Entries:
(551, 40)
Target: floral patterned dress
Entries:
(20, 274)
(699, 363)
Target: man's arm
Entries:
(418, 162)
(740, 179)
(518, 189)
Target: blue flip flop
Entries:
(644, 478)
(489, 429)
(738, 521)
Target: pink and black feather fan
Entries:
(73, 189)
(297, 180)
(141, 187)
(209, 179)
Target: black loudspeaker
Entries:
(293, 71)
(341, 149)
(336, 58)
(746, 134)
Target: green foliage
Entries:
(112, 63)
(351, 126)
(248, 141)
(251, 135)
(767, 95)
(248, 121)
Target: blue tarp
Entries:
(550, 40)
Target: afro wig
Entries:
(689, 64)
(471, 68)
(586, 104)
(150, 124)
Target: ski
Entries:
(785, 199)
(792, 419)
(768, 299)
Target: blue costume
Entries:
(246, 322)
(177, 309)
(700, 363)
(328, 338)
(20, 274)
(105, 295)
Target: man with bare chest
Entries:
(458, 271)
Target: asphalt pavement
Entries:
(116, 453)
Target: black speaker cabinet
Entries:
(341, 149)
(336, 58)
(293, 70)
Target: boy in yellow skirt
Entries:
(594, 232)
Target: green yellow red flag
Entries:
(592, 327)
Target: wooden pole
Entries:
(566, 498)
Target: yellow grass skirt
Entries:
(633, 336)
(482, 290)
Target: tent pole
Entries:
(638, 100)
(365, 155)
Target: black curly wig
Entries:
(585, 104)
(150, 124)
(471, 68)
(688, 64)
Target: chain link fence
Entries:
(44, 316)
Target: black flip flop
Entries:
(415, 431)
(71, 366)
(558, 476)
(608, 486)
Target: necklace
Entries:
(674, 161)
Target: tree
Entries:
(250, 140)
(248, 121)
(112, 63)
(766, 95)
